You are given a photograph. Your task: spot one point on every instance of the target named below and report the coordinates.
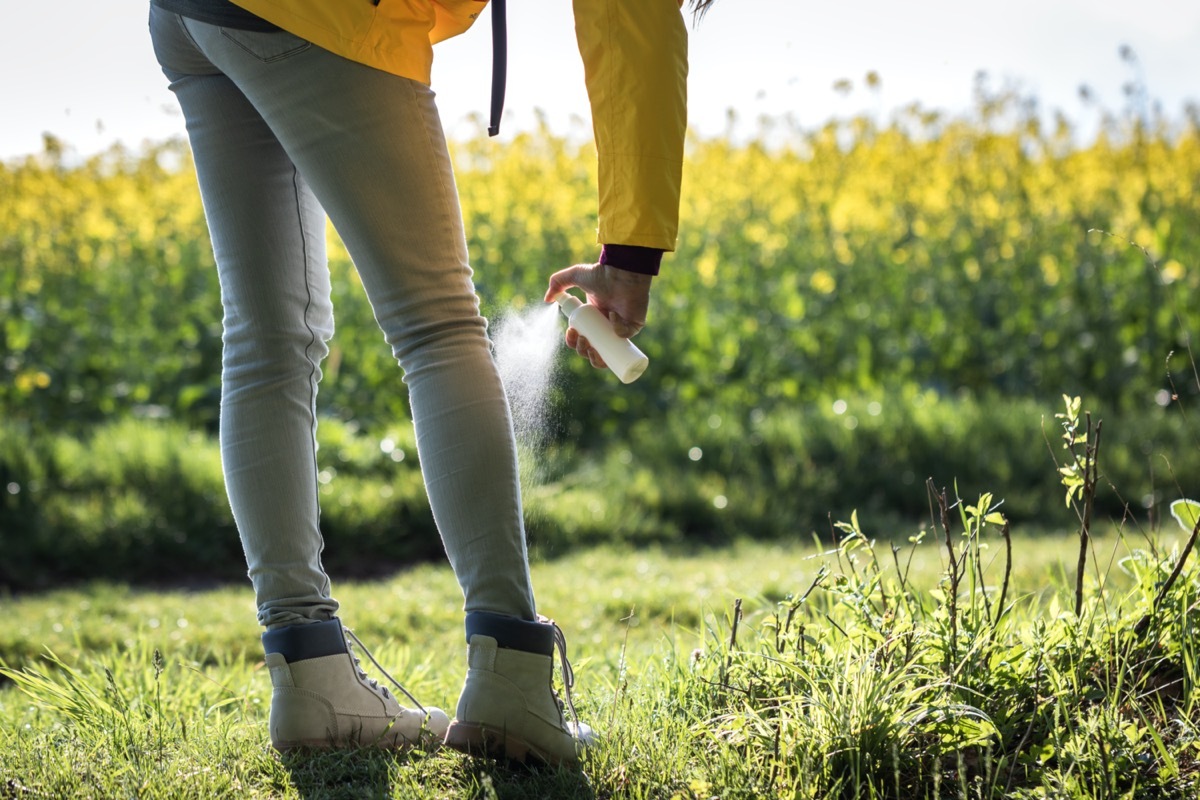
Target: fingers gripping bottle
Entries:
(621, 355)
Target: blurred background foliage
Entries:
(851, 309)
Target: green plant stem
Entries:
(953, 573)
(1006, 532)
(1090, 465)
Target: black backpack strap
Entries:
(499, 64)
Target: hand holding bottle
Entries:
(621, 296)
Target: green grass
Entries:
(134, 693)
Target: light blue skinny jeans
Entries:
(283, 132)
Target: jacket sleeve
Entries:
(635, 63)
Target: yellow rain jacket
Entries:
(635, 64)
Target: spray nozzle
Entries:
(568, 302)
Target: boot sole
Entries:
(429, 743)
(325, 744)
(476, 739)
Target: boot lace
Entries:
(568, 674)
(374, 684)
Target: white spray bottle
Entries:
(621, 355)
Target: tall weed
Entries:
(866, 686)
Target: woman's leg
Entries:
(268, 234)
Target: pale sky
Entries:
(84, 71)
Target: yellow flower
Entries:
(823, 282)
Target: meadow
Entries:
(751, 671)
(820, 549)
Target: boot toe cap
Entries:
(437, 721)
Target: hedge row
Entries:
(143, 501)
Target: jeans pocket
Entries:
(267, 46)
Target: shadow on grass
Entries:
(503, 780)
(373, 773)
(327, 774)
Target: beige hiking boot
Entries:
(508, 708)
(322, 698)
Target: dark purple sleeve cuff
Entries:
(631, 258)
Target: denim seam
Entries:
(312, 382)
(299, 48)
(183, 26)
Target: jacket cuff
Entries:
(632, 258)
